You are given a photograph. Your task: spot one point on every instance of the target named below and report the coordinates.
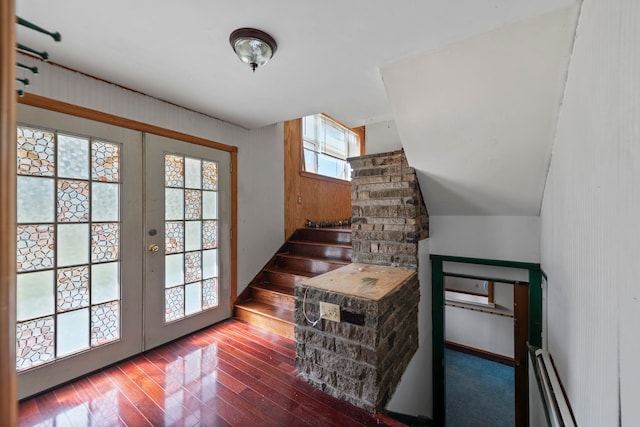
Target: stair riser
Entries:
(273, 298)
(325, 236)
(312, 266)
(318, 251)
(280, 327)
(283, 279)
(268, 302)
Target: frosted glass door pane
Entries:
(210, 263)
(193, 239)
(173, 204)
(35, 199)
(209, 205)
(193, 298)
(209, 175)
(105, 202)
(192, 204)
(105, 282)
(73, 157)
(73, 244)
(35, 295)
(72, 286)
(105, 162)
(35, 152)
(173, 270)
(192, 173)
(173, 170)
(73, 201)
(73, 332)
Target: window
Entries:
(469, 291)
(327, 145)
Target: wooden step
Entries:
(320, 250)
(284, 277)
(315, 266)
(325, 235)
(272, 294)
(275, 319)
(269, 300)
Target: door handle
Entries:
(153, 248)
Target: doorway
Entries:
(123, 242)
(528, 300)
(486, 333)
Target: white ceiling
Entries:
(453, 122)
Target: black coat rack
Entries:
(41, 54)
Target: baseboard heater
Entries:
(553, 398)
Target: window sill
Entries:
(464, 298)
(312, 175)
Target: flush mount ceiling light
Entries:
(253, 47)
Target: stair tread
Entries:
(330, 260)
(269, 300)
(267, 310)
(276, 269)
(273, 287)
(345, 229)
(314, 243)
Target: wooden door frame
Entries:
(520, 353)
(534, 324)
(99, 116)
(8, 387)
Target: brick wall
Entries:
(389, 216)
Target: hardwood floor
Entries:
(231, 374)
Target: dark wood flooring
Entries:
(231, 374)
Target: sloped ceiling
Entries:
(474, 85)
(477, 117)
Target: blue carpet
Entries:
(479, 392)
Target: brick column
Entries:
(389, 216)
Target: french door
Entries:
(107, 264)
(186, 238)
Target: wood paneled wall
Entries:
(8, 404)
(311, 196)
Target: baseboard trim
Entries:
(509, 361)
(409, 420)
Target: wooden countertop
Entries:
(368, 281)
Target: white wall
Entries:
(590, 219)
(512, 238)
(482, 330)
(414, 394)
(382, 137)
(260, 153)
(260, 200)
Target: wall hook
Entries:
(44, 55)
(56, 36)
(34, 70)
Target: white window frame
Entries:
(326, 142)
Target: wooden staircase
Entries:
(269, 301)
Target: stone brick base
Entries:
(362, 358)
